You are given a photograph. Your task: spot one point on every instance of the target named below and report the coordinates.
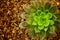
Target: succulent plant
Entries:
(41, 21)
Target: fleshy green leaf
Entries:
(34, 23)
(41, 27)
(53, 9)
(45, 29)
(47, 5)
(36, 30)
(52, 29)
(51, 22)
(41, 8)
(47, 23)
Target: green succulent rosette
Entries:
(41, 21)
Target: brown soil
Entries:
(10, 19)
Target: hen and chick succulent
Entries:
(41, 21)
